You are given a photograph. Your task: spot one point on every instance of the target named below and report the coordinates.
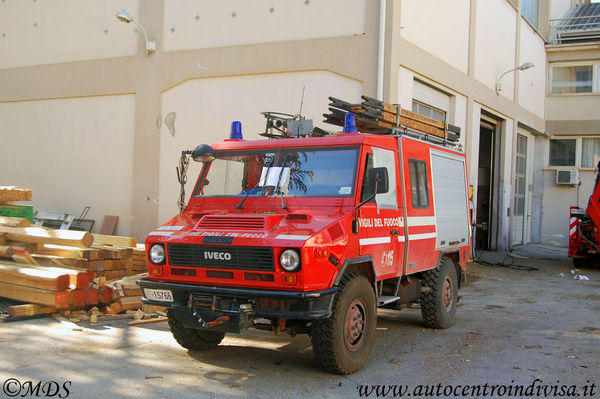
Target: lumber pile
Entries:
(67, 270)
(374, 116)
(8, 196)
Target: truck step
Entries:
(384, 300)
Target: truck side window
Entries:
(365, 193)
(418, 183)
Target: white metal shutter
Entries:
(431, 96)
(450, 199)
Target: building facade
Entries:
(572, 116)
(90, 119)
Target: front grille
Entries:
(221, 257)
(232, 223)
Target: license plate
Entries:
(158, 295)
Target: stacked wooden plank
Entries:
(11, 194)
(65, 269)
(374, 116)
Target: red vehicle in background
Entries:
(310, 232)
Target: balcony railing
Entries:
(575, 30)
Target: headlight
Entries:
(290, 260)
(157, 254)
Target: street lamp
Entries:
(124, 16)
(524, 67)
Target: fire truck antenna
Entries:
(301, 102)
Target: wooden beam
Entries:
(14, 222)
(11, 193)
(59, 300)
(33, 277)
(71, 252)
(81, 278)
(119, 241)
(30, 309)
(109, 224)
(148, 321)
(5, 251)
(48, 236)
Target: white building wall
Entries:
(48, 32)
(205, 109)
(495, 44)
(196, 24)
(438, 27)
(532, 85)
(72, 153)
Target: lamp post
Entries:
(523, 67)
(124, 16)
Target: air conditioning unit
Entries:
(568, 177)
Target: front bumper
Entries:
(233, 309)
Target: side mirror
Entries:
(378, 180)
(203, 153)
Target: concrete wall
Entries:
(557, 200)
(496, 33)
(205, 108)
(532, 85)
(445, 34)
(49, 32)
(72, 153)
(196, 24)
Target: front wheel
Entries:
(438, 306)
(342, 342)
(191, 338)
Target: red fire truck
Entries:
(311, 231)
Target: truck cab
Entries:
(311, 235)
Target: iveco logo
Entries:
(217, 255)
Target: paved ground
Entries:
(513, 327)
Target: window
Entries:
(590, 152)
(530, 10)
(365, 192)
(418, 183)
(581, 152)
(562, 152)
(572, 79)
(428, 111)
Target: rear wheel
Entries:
(438, 306)
(191, 338)
(342, 342)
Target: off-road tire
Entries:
(191, 338)
(335, 347)
(438, 307)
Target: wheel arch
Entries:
(362, 266)
(454, 256)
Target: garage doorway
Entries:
(487, 186)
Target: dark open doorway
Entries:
(485, 187)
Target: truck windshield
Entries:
(309, 172)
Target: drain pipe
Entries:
(381, 53)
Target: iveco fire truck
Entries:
(311, 231)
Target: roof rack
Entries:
(376, 117)
(372, 116)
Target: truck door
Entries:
(420, 235)
(380, 221)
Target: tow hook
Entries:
(219, 320)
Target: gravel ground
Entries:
(532, 328)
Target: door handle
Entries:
(394, 233)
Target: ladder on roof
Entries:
(376, 117)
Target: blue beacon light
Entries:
(236, 131)
(350, 123)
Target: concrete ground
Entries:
(513, 327)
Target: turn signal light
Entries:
(289, 279)
(156, 270)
